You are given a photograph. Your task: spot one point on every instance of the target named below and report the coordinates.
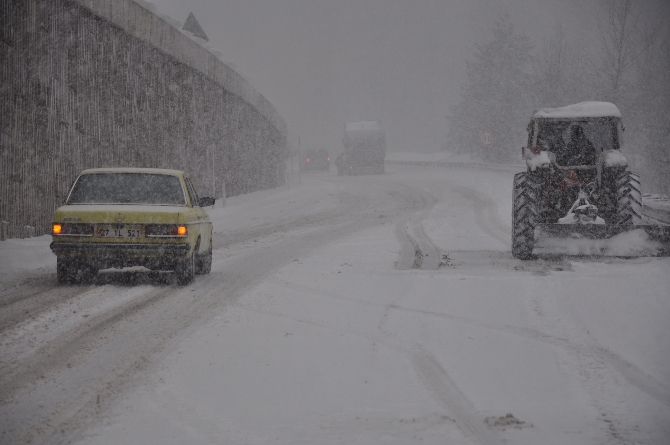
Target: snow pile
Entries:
(538, 161)
(581, 216)
(627, 244)
(507, 421)
(23, 255)
(614, 158)
(582, 109)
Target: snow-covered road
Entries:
(373, 309)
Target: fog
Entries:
(388, 308)
(322, 63)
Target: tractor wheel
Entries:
(525, 213)
(629, 199)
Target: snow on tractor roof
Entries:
(362, 126)
(582, 109)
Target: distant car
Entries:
(315, 160)
(122, 217)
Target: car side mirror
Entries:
(207, 202)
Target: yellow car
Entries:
(122, 217)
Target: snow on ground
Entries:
(657, 206)
(341, 347)
(441, 156)
(21, 255)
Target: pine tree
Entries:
(649, 129)
(496, 98)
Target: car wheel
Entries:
(185, 270)
(65, 270)
(70, 271)
(204, 263)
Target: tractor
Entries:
(578, 184)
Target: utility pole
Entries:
(290, 154)
(299, 159)
(213, 148)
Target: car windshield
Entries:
(127, 188)
(553, 135)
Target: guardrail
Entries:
(654, 212)
(648, 210)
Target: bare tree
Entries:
(619, 34)
(650, 105)
(559, 77)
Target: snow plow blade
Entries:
(603, 239)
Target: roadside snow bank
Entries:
(441, 156)
(22, 255)
(628, 244)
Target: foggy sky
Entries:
(402, 62)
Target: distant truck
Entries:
(315, 159)
(364, 149)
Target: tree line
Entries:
(628, 63)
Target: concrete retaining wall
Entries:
(95, 83)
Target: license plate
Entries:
(122, 232)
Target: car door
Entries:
(204, 224)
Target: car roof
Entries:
(580, 110)
(155, 171)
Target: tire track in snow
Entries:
(445, 391)
(38, 353)
(22, 303)
(431, 373)
(437, 380)
(76, 372)
(486, 214)
(410, 256)
(417, 251)
(633, 375)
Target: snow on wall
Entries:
(99, 83)
(142, 20)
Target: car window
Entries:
(191, 191)
(127, 188)
(600, 132)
